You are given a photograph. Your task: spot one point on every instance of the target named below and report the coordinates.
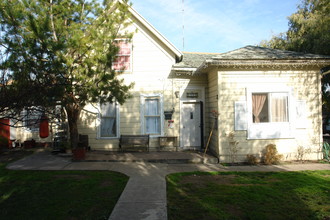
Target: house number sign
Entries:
(192, 94)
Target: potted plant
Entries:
(79, 153)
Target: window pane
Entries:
(151, 107)
(32, 119)
(108, 120)
(123, 58)
(270, 107)
(108, 127)
(260, 107)
(108, 109)
(279, 107)
(152, 125)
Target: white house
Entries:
(264, 96)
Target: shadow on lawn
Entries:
(254, 195)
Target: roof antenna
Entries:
(182, 25)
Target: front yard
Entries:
(57, 194)
(242, 195)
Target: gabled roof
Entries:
(156, 33)
(257, 53)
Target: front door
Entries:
(191, 125)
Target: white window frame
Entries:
(270, 130)
(131, 55)
(143, 128)
(117, 123)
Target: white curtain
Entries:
(152, 116)
(108, 120)
(279, 107)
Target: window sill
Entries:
(270, 131)
(107, 138)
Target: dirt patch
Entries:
(12, 155)
(72, 176)
(234, 210)
(106, 183)
(201, 180)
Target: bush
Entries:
(271, 155)
(252, 160)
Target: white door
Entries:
(191, 125)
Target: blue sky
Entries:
(217, 26)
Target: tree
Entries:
(308, 29)
(60, 52)
(309, 32)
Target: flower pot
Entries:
(79, 153)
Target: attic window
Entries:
(123, 59)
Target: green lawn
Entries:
(58, 194)
(243, 195)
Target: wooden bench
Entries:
(134, 142)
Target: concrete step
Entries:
(190, 157)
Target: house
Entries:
(251, 97)
(262, 96)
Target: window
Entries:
(31, 119)
(151, 113)
(269, 110)
(122, 62)
(269, 107)
(109, 124)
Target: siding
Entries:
(305, 85)
(151, 74)
(212, 104)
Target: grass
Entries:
(245, 195)
(57, 194)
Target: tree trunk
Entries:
(73, 113)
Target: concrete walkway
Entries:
(144, 196)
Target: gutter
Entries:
(264, 63)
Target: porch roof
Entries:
(193, 59)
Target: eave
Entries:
(239, 64)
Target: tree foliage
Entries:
(309, 32)
(309, 29)
(60, 52)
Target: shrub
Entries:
(233, 146)
(271, 155)
(302, 152)
(251, 159)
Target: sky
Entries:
(217, 26)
